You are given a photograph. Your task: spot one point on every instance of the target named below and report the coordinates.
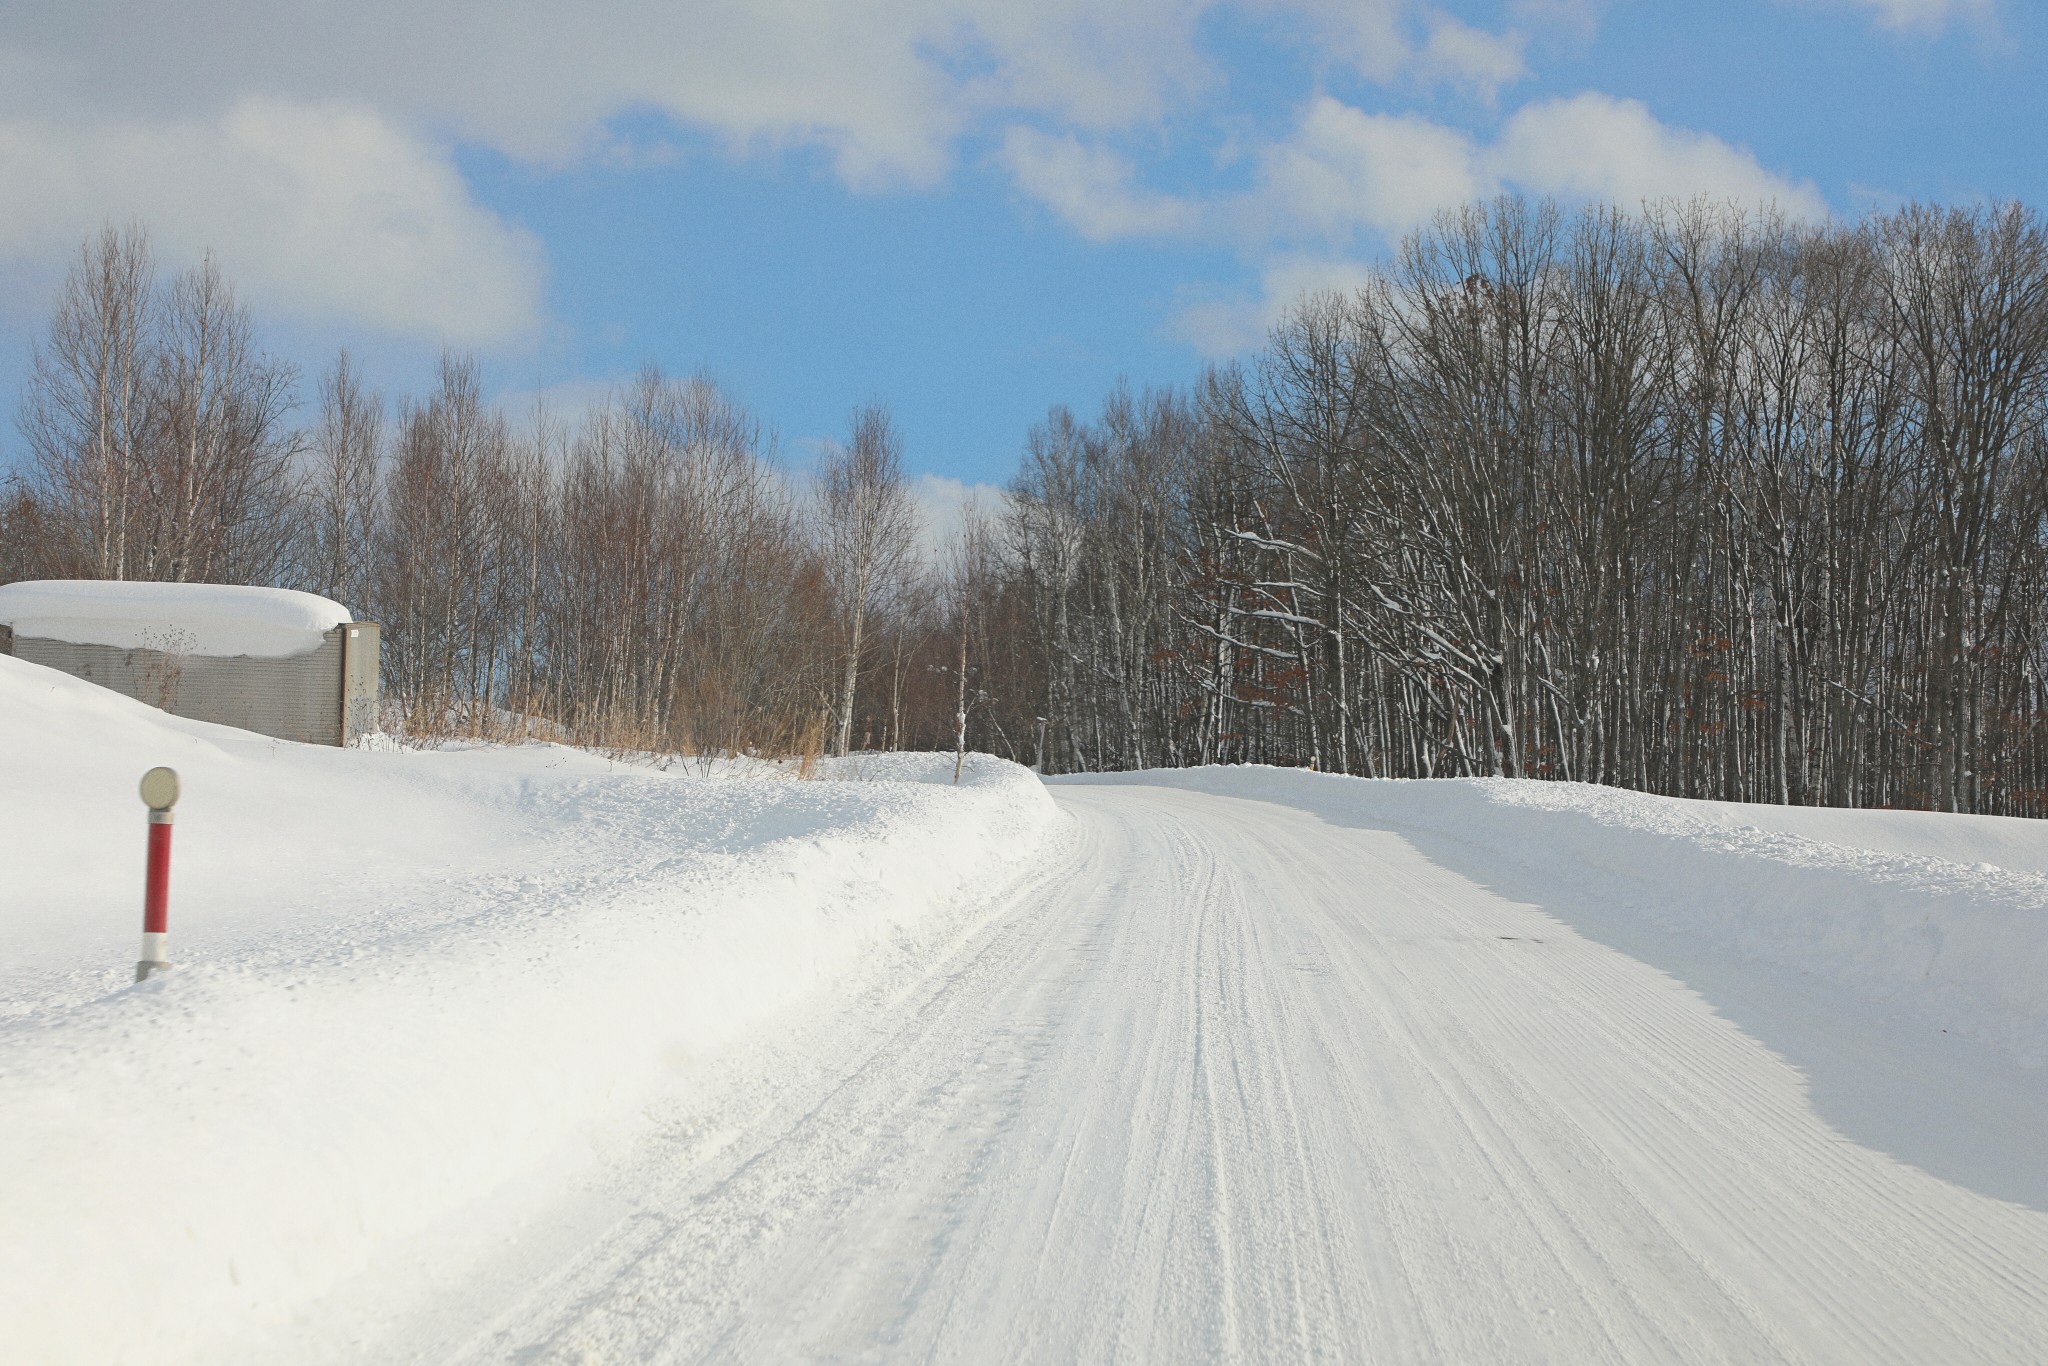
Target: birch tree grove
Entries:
(1695, 500)
(156, 432)
(644, 582)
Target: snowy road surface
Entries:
(1225, 1081)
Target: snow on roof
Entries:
(178, 618)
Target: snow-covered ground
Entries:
(403, 981)
(519, 1055)
(1944, 916)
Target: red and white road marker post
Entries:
(160, 792)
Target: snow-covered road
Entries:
(1227, 1081)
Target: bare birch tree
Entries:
(85, 407)
(870, 526)
(346, 452)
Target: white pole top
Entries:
(160, 788)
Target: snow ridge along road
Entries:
(409, 990)
(1230, 1081)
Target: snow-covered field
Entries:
(521, 1055)
(403, 980)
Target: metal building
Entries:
(256, 658)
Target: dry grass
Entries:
(791, 746)
(811, 748)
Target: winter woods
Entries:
(648, 579)
(1698, 502)
(156, 433)
(1692, 500)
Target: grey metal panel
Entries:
(362, 644)
(294, 698)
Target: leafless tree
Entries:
(156, 429)
(220, 455)
(870, 527)
(1689, 499)
(1692, 500)
(345, 459)
(85, 407)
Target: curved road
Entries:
(1228, 1083)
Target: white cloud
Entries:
(1086, 64)
(1592, 146)
(1223, 327)
(1344, 173)
(1924, 15)
(565, 404)
(1580, 18)
(1344, 169)
(312, 209)
(312, 143)
(1091, 187)
(1367, 35)
(1390, 41)
(885, 88)
(942, 502)
(1482, 62)
(882, 87)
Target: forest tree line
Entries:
(648, 577)
(1692, 500)
(1695, 501)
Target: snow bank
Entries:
(176, 618)
(403, 982)
(1945, 917)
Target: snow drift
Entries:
(1942, 916)
(402, 980)
(175, 618)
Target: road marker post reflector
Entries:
(160, 793)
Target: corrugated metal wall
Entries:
(295, 698)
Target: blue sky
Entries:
(968, 210)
